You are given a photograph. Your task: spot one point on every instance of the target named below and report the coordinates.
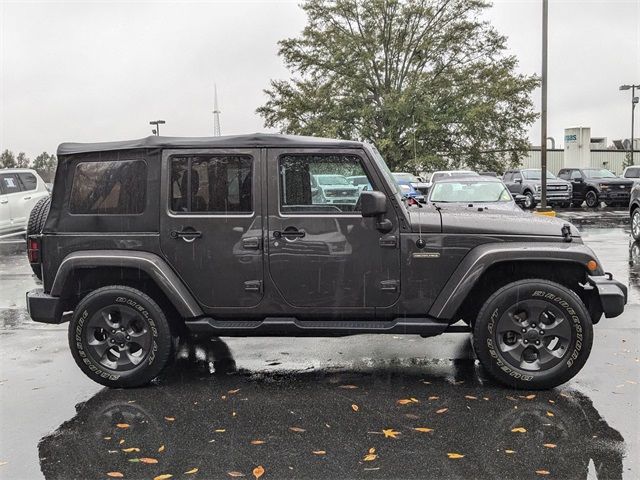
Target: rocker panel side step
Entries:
(291, 326)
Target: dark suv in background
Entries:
(596, 185)
(528, 182)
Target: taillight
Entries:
(33, 250)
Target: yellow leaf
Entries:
(518, 430)
(163, 476)
(349, 387)
(235, 474)
(370, 457)
(454, 455)
(442, 410)
(407, 401)
(355, 407)
(169, 419)
(550, 414)
(530, 397)
(434, 398)
(148, 460)
(297, 429)
(129, 450)
(257, 442)
(390, 433)
(319, 452)
(231, 392)
(193, 470)
(121, 442)
(122, 425)
(543, 472)
(115, 474)
(550, 445)
(470, 397)
(509, 451)
(161, 449)
(372, 450)
(423, 429)
(220, 430)
(107, 438)
(258, 471)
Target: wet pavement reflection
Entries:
(331, 424)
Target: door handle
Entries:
(289, 232)
(187, 234)
(4, 201)
(27, 198)
(389, 241)
(251, 243)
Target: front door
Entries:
(322, 254)
(211, 227)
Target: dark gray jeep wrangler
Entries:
(152, 239)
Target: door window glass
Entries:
(9, 183)
(212, 184)
(28, 180)
(575, 174)
(312, 183)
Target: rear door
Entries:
(321, 253)
(211, 224)
(12, 193)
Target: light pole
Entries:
(157, 123)
(634, 100)
(543, 110)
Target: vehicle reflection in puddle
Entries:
(324, 423)
(634, 264)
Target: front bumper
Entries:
(43, 307)
(555, 196)
(613, 294)
(615, 196)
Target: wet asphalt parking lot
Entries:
(356, 407)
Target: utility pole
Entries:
(634, 100)
(216, 112)
(543, 112)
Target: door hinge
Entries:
(389, 285)
(253, 286)
(389, 241)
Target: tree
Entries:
(22, 161)
(7, 159)
(45, 165)
(427, 81)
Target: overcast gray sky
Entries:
(98, 71)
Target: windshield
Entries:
(598, 173)
(405, 189)
(332, 180)
(382, 165)
(405, 177)
(536, 175)
(467, 192)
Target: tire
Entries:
(131, 319)
(530, 201)
(511, 356)
(635, 224)
(592, 199)
(37, 218)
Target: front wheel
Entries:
(529, 201)
(592, 199)
(533, 334)
(635, 224)
(119, 337)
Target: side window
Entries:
(29, 181)
(212, 184)
(9, 183)
(563, 174)
(575, 174)
(507, 177)
(109, 188)
(517, 176)
(313, 183)
(632, 173)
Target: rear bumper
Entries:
(43, 307)
(613, 294)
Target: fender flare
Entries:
(150, 263)
(479, 259)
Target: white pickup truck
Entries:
(20, 190)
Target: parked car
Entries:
(20, 190)
(408, 191)
(415, 181)
(360, 181)
(149, 239)
(448, 174)
(528, 182)
(634, 212)
(596, 185)
(632, 173)
(477, 193)
(334, 189)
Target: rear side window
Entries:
(212, 184)
(9, 183)
(109, 188)
(29, 181)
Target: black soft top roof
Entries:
(231, 141)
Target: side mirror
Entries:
(373, 204)
(520, 199)
(578, 180)
(517, 180)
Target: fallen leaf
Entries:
(115, 474)
(148, 460)
(169, 419)
(550, 414)
(122, 425)
(550, 445)
(161, 449)
(423, 429)
(434, 398)
(193, 470)
(509, 451)
(235, 474)
(134, 460)
(129, 450)
(442, 410)
(543, 472)
(530, 397)
(220, 430)
(519, 430)
(257, 442)
(371, 455)
(163, 476)
(258, 471)
(107, 438)
(390, 433)
(355, 407)
(349, 387)
(121, 442)
(319, 452)
(231, 392)
(470, 397)
(411, 416)
(2, 464)
(454, 455)
(407, 401)
(297, 429)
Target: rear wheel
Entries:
(635, 224)
(592, 199)
(120, 337)
(533, 334)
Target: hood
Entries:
(480, 207)
(612, 181)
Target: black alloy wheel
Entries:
(592, 199)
